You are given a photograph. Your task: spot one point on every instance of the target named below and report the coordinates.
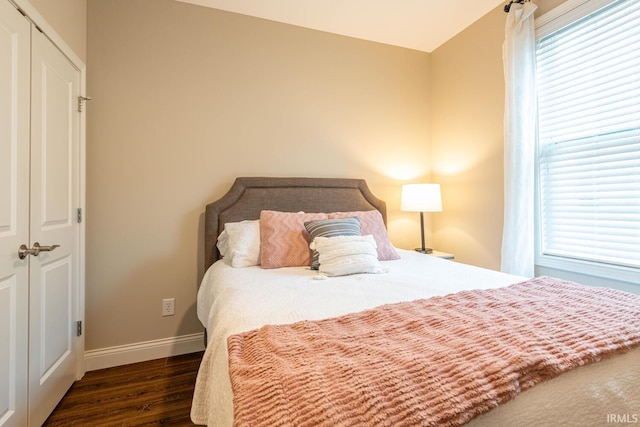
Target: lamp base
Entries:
(424, 250)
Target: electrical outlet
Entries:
(168, 305)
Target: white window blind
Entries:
(588, 78)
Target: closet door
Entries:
(55, 189)
(14, 214)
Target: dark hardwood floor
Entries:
(153, 393)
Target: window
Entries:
(588, 82)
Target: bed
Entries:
(240, 303)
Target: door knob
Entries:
(23, 250)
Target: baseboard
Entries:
(143, 351)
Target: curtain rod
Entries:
(507, 7)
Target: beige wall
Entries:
(467, 142)
(545, 6)
(185, 99)
(69, 19)
(467, 108)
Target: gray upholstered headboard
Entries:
(248, 196)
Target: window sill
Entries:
(594, 273)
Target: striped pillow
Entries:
(331, 228)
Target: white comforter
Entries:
(233, 300)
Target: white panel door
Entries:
(54, 276)
(14, 214)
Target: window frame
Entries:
(557, 18)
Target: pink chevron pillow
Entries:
(371, 222)
(284, 238)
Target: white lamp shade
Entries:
(421, 198)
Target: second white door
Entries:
(55, 189)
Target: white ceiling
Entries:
(415, 24)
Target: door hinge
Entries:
(81, 101)
(79, 215)
(79, 328)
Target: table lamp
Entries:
(421, 198)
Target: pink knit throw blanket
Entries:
(435, 362)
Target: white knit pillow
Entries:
(342, 255)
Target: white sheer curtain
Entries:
(519, 57)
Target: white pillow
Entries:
(242, 243)
(342, 255)
(223, 244)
